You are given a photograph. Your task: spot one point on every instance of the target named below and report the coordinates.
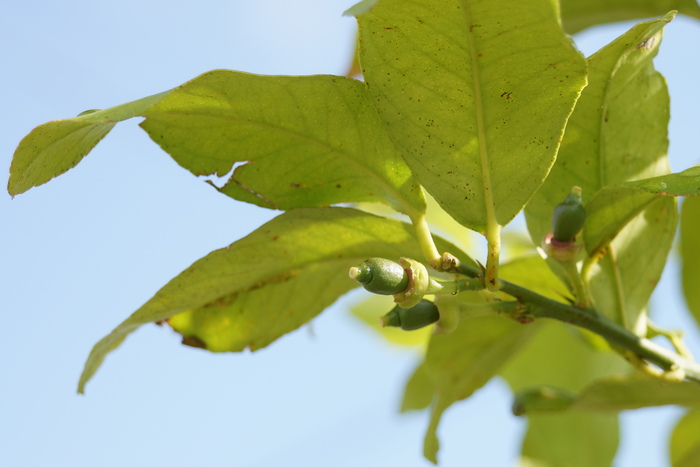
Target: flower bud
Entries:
(409, 319)
(568, 217)
(380, 276)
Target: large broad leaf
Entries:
(628, 392)
(685, 441)
(686, 183)
(304, 140)
(462, 362)
(690, 254)
(618, 133)
(624, 279)
(612, 394)
(635, 229)
(570, 439)
(56, 147)
(577, 15)
(458, 364)
(476, 93)
(270, 282)
(561, 356)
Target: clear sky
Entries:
(79, 254)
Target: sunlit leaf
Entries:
(475, 94)
(304, 141)
(690, 254)
(328, 240)
(611, 394)
(634, 391)
(462, 362)
(561, 357)
(56, 147)
(577, 15)
(686, 183)
(617, 133)
(571, 439)
(420, 390)
(685, 441)
(608, 213)
(624, 279)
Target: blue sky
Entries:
(79, 254)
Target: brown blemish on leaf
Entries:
(194, 341)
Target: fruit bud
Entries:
(419, 284)
(409, 319)
(568, 217)
(380, 276)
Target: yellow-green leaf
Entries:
(577, 15)
(616, 134)
(686, 183)
(690, 254)
(56, 147)
(291, 141)
(685, 441)
(476, 93)
(303, 256)
(571, 439)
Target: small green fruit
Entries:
(409, 319)
(380, 276)
(569, 217)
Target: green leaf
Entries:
(298, 255)
(612, 393)
(571, 439)
(359, 8)
(56, 147)
(690, 255)
(685, 441)
(476, 94)
(420, 390)
(462, 362)
(304, 141)
(686, 183)
(577, 15)
(235, 322)
(609, 211)
(625, 278)
(618, 130)
(635, 391)
(563, 357)
(617, 133)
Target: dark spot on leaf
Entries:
(338, 185)
(275, 238)
(193, 341)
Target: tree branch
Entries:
(538, 306)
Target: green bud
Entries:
(380, 276)
(409, 319)
(568, 217)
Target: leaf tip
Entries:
(360, 8)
